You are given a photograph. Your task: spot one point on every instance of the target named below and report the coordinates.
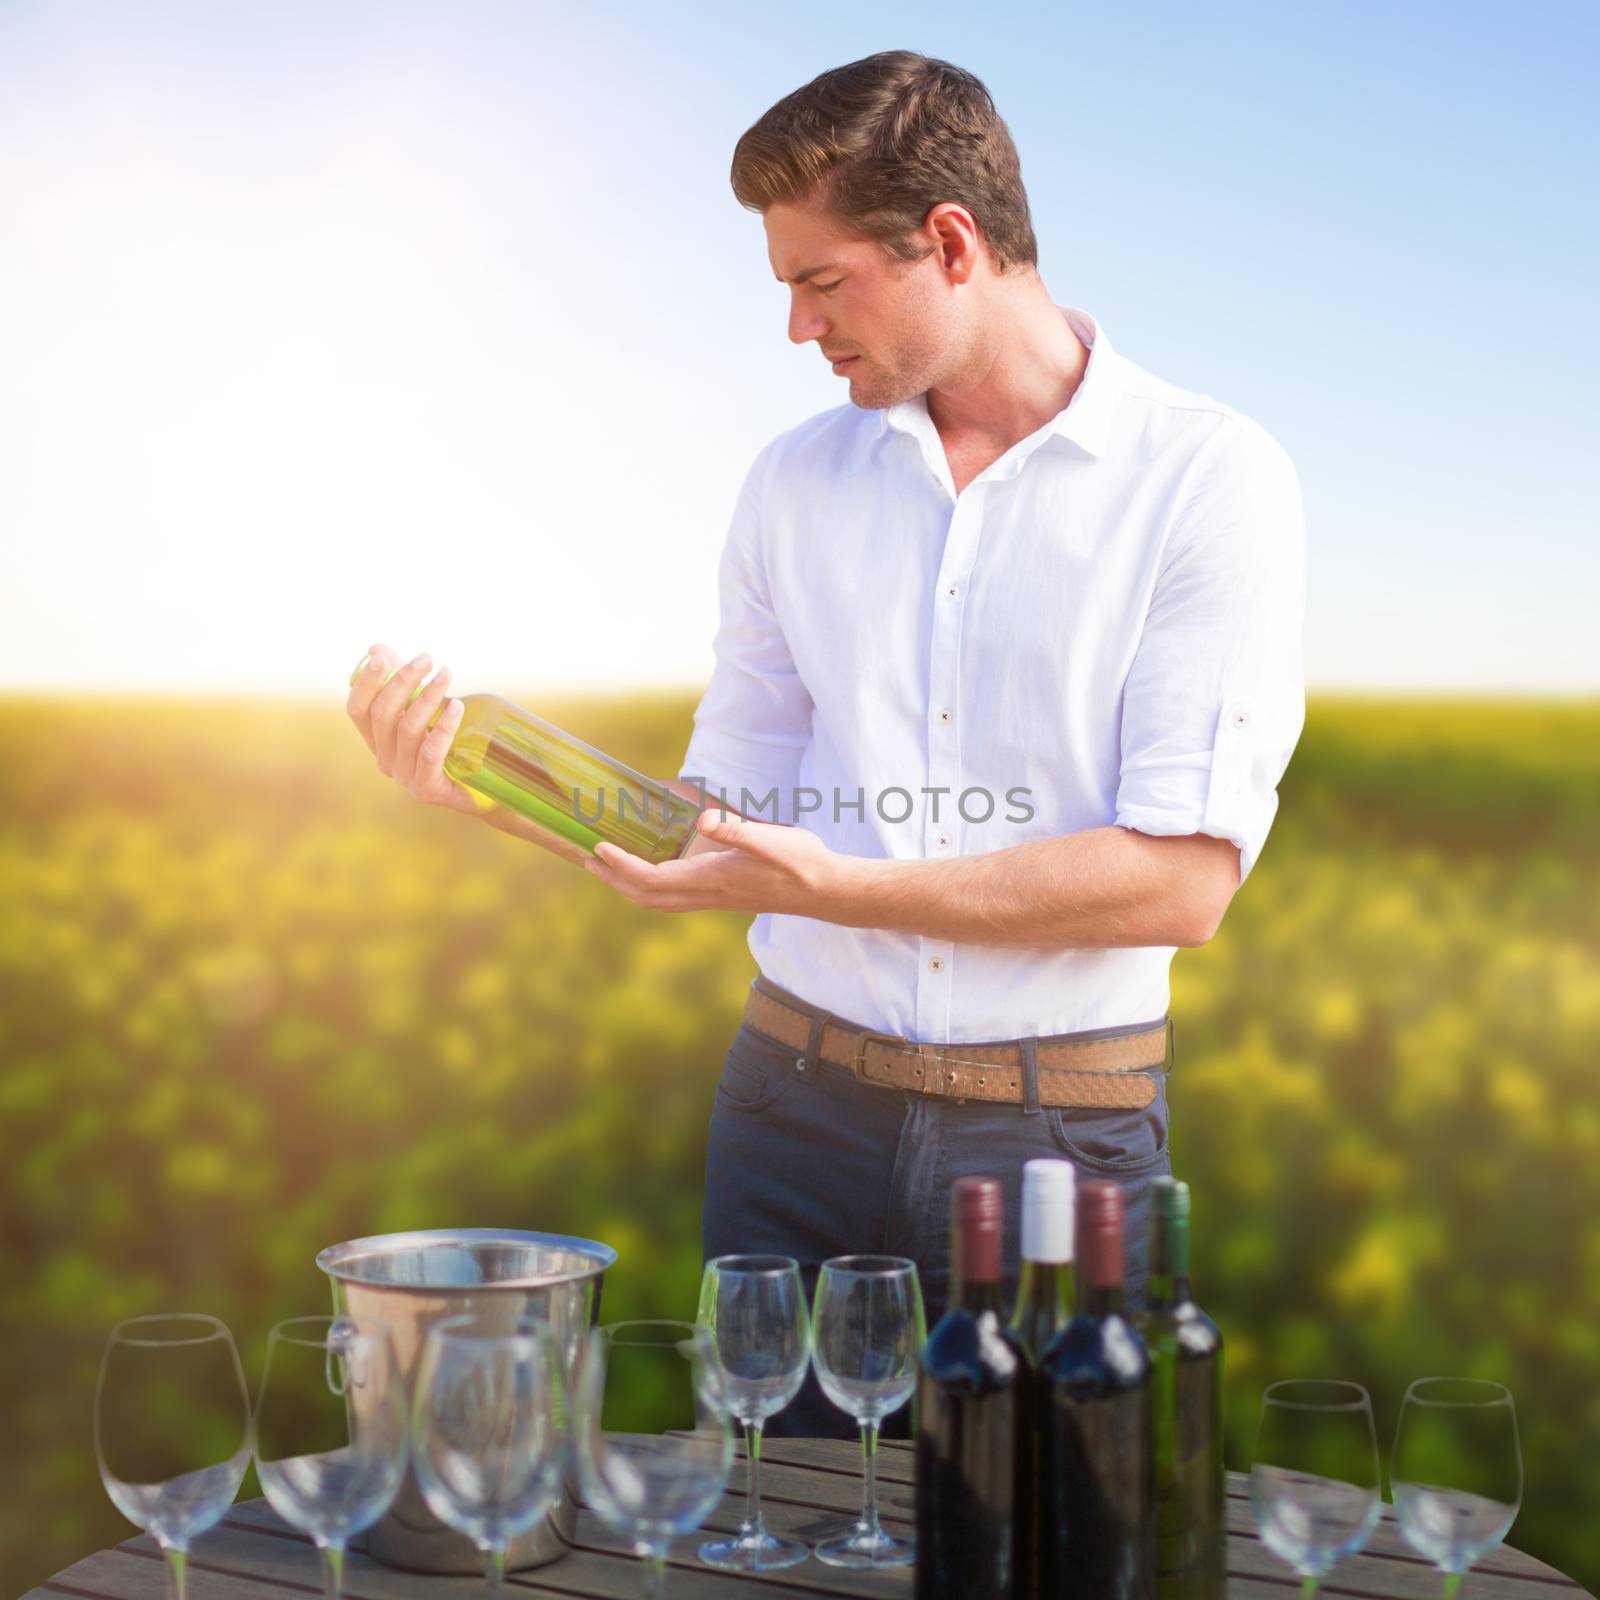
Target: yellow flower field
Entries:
(254, 1000)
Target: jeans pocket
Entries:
(1114, 1143)
(757, 1072)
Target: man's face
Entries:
(895, 323)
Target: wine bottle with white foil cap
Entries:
(1045, 1296)
(508, 756)
(1045, 1292)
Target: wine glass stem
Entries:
(332, 1570)
(752, 1498)
(1308, 1586)
(655, 1571)
(1452, 1583)
(177, 1572)
(869, 1479)
(494, 1568)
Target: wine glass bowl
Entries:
(650, 1487)
(490, 1433)
(1314, 1473)
(1456, 1471)
(329, 1466)
(172, 1428)
(868, 1342)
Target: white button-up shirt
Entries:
(1103, 627)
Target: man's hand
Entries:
(702, 843)
(397, 733)
(734, 865)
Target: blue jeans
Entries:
(807, 1162)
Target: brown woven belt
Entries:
(1107, 1068)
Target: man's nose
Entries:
(805, 324)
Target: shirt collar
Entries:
(1086, 418)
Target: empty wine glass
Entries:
(330, 1431)
(172, 1428)
(868, 1329)
(755, 1310)
(490, 1435)
(650, 1486)
(1456, 1471)
(1314, 1474)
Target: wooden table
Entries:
(808, 1486)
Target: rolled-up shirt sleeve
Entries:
(754, 720)
(1214, 702)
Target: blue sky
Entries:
(439, 323)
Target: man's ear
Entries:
(958, 238)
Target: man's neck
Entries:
(1025, 371)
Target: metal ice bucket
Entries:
(410, 1281)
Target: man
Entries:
(1007, 673)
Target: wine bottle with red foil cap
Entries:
(1186, 1396)
(1044, 1306)
(970, 1389)
(1097, 1478)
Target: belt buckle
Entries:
(863, 1038)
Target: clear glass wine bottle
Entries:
(516, 759)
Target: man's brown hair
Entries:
(884, 140)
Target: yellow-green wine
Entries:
(513, 758)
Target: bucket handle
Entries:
(341, 1372)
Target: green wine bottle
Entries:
(515, 759)
(1186, 1414)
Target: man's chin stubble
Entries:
(874, 397)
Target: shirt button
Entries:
(1239, 719)
(944, 716)
(944, 839)
(952, 591)
(936, 964)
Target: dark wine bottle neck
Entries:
(983, 1295)
(1101, 1299)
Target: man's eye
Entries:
(828, 288)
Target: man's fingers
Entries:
(393, 698)
(436, 741)
(435, 746)
(393, 709)
(432, 782)
(390, 705)
(414, 724)
(666, 885)
(643, 891)
(365, 690)
(619, 866)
